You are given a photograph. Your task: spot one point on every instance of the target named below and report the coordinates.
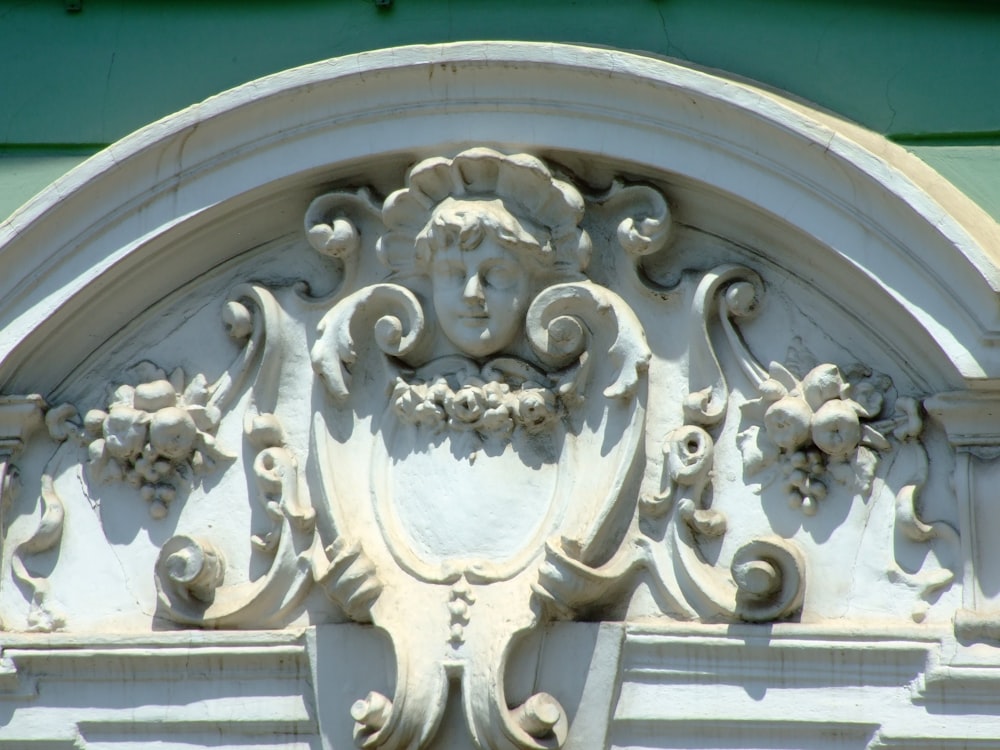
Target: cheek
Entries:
(444, 295)
(505, 297)
(508, 308)
(516, 293)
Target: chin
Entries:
(475, 347)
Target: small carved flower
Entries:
(466, 406)
(428, 414)
(439, 391)
(787, 422)
(868, 398)
(497, 420)
(497, 417)
(406, 398)
(484, 405)
(496, 394)
(536, 409)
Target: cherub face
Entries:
(480, 295)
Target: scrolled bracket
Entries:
(194, 568)
(328, 223)
(647, 227)
(254, 320)
(410, 719)
(689, 453)
(766, 581)
(398, 332)
(190, 571)
(725, 292)
(644, 225)
(43, 615)
(770, 580)
(19, 415)
(331, 227)
(538, 723)
(930, 583)
(570, 325)
(767, 576)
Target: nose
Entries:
(473, 291)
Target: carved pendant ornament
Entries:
(481, 457)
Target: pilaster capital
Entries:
(19, 416)
(971, 420)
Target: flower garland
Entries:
(470, 403)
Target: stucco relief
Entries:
(495, 439)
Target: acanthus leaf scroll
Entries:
(479, 441)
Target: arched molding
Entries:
(890, 238)
(510, 334)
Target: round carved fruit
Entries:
(836, 429)
(787, 422)
(159, 394)
(172, 433)
(823, 383)
(125, 432)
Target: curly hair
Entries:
(466, 223)
(514, 198)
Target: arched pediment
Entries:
(875, 229)
(466, 340)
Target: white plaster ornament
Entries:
(783, 225)
(495, 438)
(476, 463)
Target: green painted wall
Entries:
(923, 72)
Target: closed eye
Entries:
(500, 277)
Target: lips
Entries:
(474, 316)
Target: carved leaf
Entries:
(560, 318)
(398, 332)
(758, 450)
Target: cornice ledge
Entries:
(150, 657)
(847, 632)
(970, 418)
(28, 643)
(794, 655)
